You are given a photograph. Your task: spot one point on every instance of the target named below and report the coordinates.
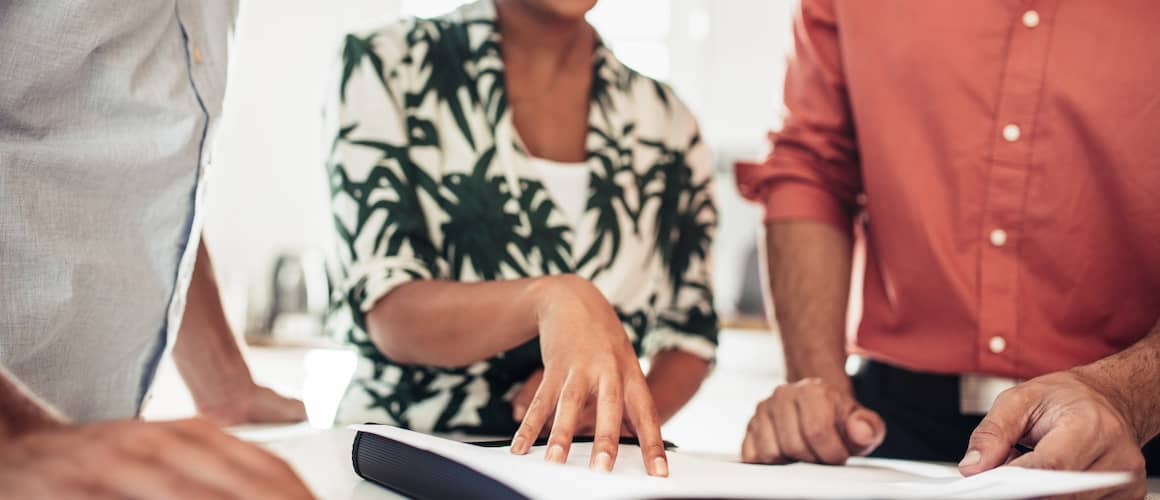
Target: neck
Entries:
(534, 33)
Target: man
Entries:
(1004, 154)
(106, 110)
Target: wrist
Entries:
(548, 292)
(1101, 378)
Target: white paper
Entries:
(694, 476)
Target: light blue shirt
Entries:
(106, 109)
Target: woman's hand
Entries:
(587, 419)
(587, 356)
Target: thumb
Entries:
(865, 430)
(524, 396)
(992, 440)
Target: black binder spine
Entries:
(420, 474)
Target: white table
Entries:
(748, 367)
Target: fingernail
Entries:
(519, 411)
(556, 454)
(972, 458)
(518, 445)
(660, 467)
(603, 461)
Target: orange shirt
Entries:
(1007, 156)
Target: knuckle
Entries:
(815, 432)
(605, 442)
(612, 395)
(1135, 463)
(986, 431)
(1014, 396)
(572, 394)
(653, 449)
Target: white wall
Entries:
(268, 189)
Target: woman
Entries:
(508, 209)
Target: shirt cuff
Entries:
(790, 198)
(380, 277)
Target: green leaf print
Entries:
(481, 224)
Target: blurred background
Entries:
(268, 223)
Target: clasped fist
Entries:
(811, 421)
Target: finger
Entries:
(539, 408)
(865, 431)
(1004, 425)
(133, 478)
(609, 415)
(789, 430)
(762, 439)
(568, 408)
(820, 427)
(524, 396)
(229, 463)
(1065, 447)
(1123, 459)
(643, 416)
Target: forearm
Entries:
(1131, 378)
(206, 352)
(673, 379)
(453, 324)
(20, 411)
(808, 274)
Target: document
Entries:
(694, 476)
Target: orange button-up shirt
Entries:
(1008, 152)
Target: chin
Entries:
(571, 10)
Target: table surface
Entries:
(748, 367)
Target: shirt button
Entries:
(997, 344)
(998, 237)
(1011, 132)
(1031, 19)
(196, 52)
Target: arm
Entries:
(21, 411)
(807, 268)
(673, 379)
(452, 324)
(207, 355)
(809, 186)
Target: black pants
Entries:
(922, 415)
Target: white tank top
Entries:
(567, 184)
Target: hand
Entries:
(1070, 423)
(253, 404)
(144, 460)
(811, 421)
(588, 356)
(587, 419)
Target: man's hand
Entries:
(253, 404)
(811, 421)
(1069, 422)
(145, 460)
(587, 356)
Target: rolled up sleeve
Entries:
(812, 171)
(376, 187)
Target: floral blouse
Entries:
(428, 181)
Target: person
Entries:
(1003, 156)
(106, 113)
(517, 212)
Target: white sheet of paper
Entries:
(693, 476)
